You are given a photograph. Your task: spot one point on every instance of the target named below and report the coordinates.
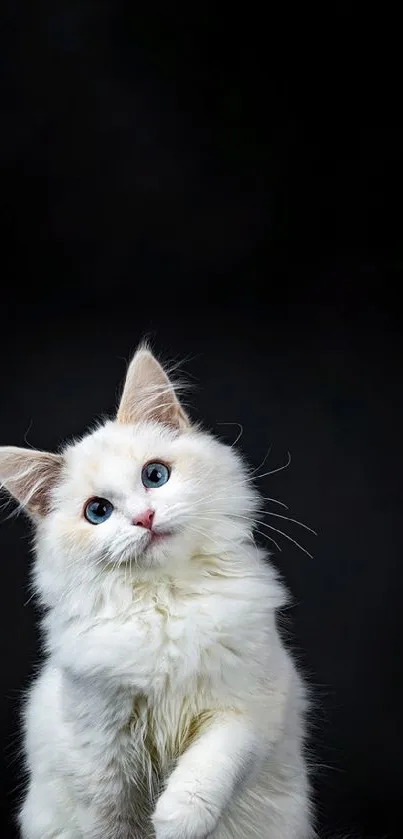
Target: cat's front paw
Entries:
(184, 813)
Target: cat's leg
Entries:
(99, 823)
(110, 809)
(289, 818)
(47, 812)
(281, 816)
(103, 760)
(102, 793)
(269, 805)
(204, 779)
(76, 790)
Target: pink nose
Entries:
(144, 519)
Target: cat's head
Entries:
(148, 489)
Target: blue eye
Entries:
(98, 510)
(155, 475)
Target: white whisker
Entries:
(239, 425)
(263, 461)
(286, 536)
(273, 471)
(295, 521)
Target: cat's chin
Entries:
(153, 552)
(157, 545)
(158, 537)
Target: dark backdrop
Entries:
(230, 186)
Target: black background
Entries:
(231, 186)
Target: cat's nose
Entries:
(144, 519)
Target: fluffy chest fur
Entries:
(151, 666)
(208, 636)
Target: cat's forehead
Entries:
(111, 457)
(130, 442)
(119, 451)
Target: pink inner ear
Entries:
(29, 476)
(148, 394)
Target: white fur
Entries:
(168, 705)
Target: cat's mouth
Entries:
(156, 536)
(149, 539)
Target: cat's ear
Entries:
(29, 476)
(149, 394)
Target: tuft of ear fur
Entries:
(29, 475)
(149, 394)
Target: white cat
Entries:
(168, 705)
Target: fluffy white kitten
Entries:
(167, 705)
